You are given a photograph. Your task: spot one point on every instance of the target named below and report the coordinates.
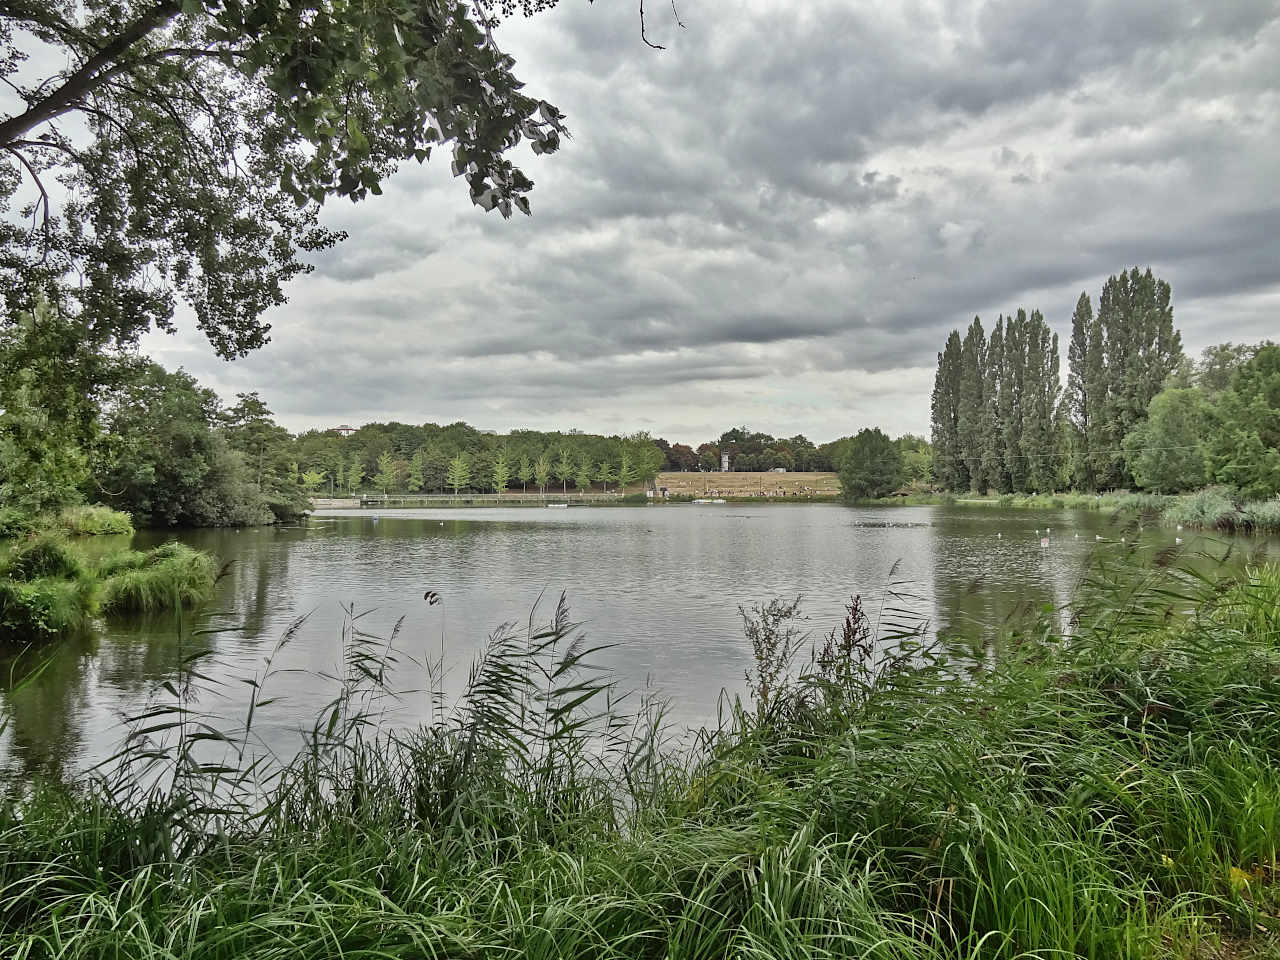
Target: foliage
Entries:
(312, 480)
(170, 463)
(872, 467)
(1165, 452)
(195, 142)
(1209, 509)
(385, 478)
(170, 576)
(459, 472)
(15, 523)
(542, 472)
(92, 521)
(43, 555)
(501, 473)
(1244, 450)
(45, 418)
(45, 608)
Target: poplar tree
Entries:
(459, 473)
(1012, 374)
(993, 472)
(1076, 400)
(501, 473)
(1042, 385)
(971, 405)
(949, 464)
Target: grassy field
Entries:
(770, 485)
(1112, 793)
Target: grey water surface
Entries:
(662, 584)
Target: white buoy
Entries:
(1122, 540)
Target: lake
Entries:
(662, 584)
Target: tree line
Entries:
(1135, 412)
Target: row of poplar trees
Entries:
(1001, 419)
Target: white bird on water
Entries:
(1177, 540)
(1097, 537)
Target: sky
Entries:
(775, 221)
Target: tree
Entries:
(627, 473)
(44, 421)
(542, 472)
(564, 469)
(501, 473)
(525, 472)
(1165, 452)
(197, 139)
(1041, 387)
(1244, 449)
(917, 458)
(971, 402)
(312, 479)
(355, 473)
(582, 479)
(415, 476)
(459, 474)
(1220, 361)
(605, 475)
(949, 463)
(385, 478)
(1076, 400)
(872, 467)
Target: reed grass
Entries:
(170, 576)
(94, 521)
(1111, 792)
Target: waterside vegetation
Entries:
(1093, 793)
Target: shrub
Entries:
(1210, 509)
(170, 576)
(15, 523)
(640, 497)
(46, 555)
(45, 608)
(1262, 516)
(94, 521)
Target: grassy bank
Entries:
(1210, 509)
(48, 589)
(1110, 794)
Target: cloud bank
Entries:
(776, 220)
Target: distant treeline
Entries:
(1135, 411)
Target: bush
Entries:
(45, 608)
(640, 497)
(170, 576)
(15, 523)
(1262, 516)
(94, 521)
(46, 555)
(1210, 509)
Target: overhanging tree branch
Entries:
(97, 69)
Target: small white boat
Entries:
(717, 501)
(557, 506)
(702, 501)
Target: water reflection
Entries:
(662, 584)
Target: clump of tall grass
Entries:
(1210, 509)
(43, 555)
(1262, 516)
(1111, 792)
(168, 577)
(15, 523)
(45, 607)
(94, 521)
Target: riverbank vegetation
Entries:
(49, 589)
(1097, 793)
(1135, 414)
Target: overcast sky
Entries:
(776, 220)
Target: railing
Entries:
(368, 500)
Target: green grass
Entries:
(15, 523)
(168, 577)
(94, 521)
(43, 555)
(44, 608)
(1111, 793)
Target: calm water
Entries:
(661, 583)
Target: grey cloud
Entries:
(784, 212)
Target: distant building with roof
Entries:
(346, 430)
